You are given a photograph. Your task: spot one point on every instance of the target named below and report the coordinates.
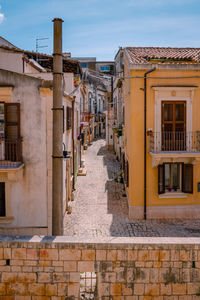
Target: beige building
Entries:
(26, 139)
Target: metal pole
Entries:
(57, 185)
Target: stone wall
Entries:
(122, 268)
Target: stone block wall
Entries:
(45, 268)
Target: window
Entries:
(173, 125)
(175, 177)
(83, 65)
(12, 121)
(126, 172)
(10, 146)
(88, 285)
(105, 68)
(69, 118)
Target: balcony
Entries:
(10, 153)
(174, 147)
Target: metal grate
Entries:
(88, 285)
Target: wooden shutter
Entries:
(123, 162)
(127, 173)
(2, 200)
(12, 121)
(187, 178)
(161, 179)
(69, 118)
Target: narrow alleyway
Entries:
(100, 205)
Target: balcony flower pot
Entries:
(169, 188)
(149, 132)
(175, 188)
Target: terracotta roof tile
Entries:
(143, 55)
(46, 61)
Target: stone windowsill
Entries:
(6, 220)
(173, 195)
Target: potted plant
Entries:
(169, 188)
(175, 188)
(149, 132)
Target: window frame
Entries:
(185, 170)
(69, 118)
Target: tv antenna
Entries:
(38, 46)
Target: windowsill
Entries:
(173, 195)
(6, 220)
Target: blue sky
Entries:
(99, 27)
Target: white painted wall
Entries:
(11, 61)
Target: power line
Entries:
(173, 77)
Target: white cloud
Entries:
(2, 17)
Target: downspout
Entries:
(145, 141)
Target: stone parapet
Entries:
(119, 268)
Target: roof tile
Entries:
(143, 55)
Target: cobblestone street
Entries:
(100, 205)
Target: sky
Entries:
(97, 28)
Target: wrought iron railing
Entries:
(10, 153)
(174, 141)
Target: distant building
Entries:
(105, 67)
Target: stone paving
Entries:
(100, 205)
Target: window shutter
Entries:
(127, 173)
(161, 179)
(69, 118)
(125, 170)
(12, 121)
(187, 178)
(2, 200)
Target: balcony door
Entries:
(12, 131)
(173, 125)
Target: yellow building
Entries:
(161, 95)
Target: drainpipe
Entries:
(145, 142)
(57, 184)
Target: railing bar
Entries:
(162, 141)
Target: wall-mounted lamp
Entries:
(65, 153)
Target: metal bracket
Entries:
(55, 53)
(58, 73)
(58, 108)
(54, 156)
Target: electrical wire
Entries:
(173, 77)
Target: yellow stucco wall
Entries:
(134, 134)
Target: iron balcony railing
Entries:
(174, 141)
(10, 153)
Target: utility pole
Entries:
(57, 205)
